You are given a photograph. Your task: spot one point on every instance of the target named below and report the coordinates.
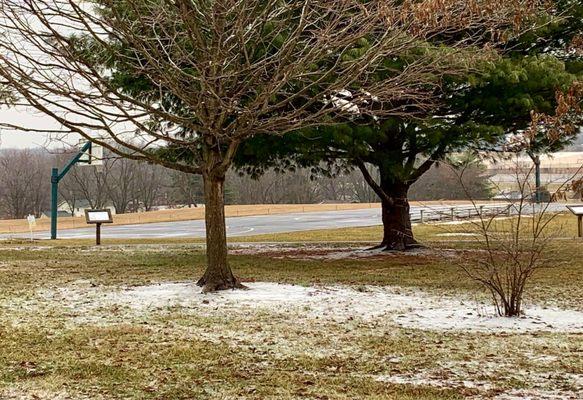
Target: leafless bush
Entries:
(514, 241)
(516, 247)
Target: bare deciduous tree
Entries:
(443, 183)
(276, 187)
(185, 189)
(24, 183)
(362, 191)
(149, 185)
(200, 77)
(121, 183)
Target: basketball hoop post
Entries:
(56, 178)
(54, 205)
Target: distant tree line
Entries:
(132, 186)
(304, 186)
(127, 185)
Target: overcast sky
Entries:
(33, 119)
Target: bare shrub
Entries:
(514, 247)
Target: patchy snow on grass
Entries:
(14, 392)
(521, 394)
(281, 250)
(493, 379)
(305, 252)
(461, 380)
(456, 234)
(408, 308)
(440, 382)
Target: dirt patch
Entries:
(314, 252)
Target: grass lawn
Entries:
(59, 339)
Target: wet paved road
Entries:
(256, 225)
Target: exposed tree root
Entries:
(223, 284)
(399, 246)
(377, 247)
(403, 249)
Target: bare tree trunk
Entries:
(397, 231)
(218, 274)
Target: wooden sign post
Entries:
(578, 211)
(98, 217)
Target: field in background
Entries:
(186, 214)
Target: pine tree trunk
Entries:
(397, 231)
(218, 274)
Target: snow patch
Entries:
(434, 382)
(462, 381)
(405, 307)
(535, 395)
(455, 234)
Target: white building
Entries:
(78, 208)
(557, 169)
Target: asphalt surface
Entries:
(265, 224)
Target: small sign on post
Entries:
(98, 217)
(578, 211)
(31, 224)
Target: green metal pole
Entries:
(54, 205)
(55, 179)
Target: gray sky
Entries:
(33, 119)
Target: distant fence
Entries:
(460, 212)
